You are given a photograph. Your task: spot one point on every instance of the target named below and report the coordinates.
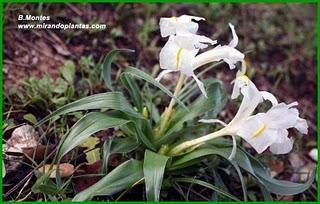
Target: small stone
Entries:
(22, 137)
(314, 154)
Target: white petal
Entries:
(262, 142)
(293, 104)
(174, 58)
(247, 129)
(178, 25)
(235, 91)
(230, 63)
(188, 18)
(234, 148)
(212, 121)
(186, 62)
(168, 55)
(200, 85)
(167, 26)
(235, 39)
(192, 41)
(280, 116)
(283, 145)
(270, 97)
(164, 72)
(259, 142)
(250, 101)
(301, 125)
(239, 83)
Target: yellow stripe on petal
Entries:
(178, 58)
(261, 129)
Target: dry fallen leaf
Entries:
(65, 169)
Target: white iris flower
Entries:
(268, 129)
(174, 58)
(179, 53)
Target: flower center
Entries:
(260, 130)
(174, 18)
(243, 77)
(178, 57)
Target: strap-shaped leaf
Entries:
(133, 89)
(216, 100)
(207, 185)
(142, 75)
(85, 127)
(110, 100)
(153, 169)
(106, 66)
(276, 186)
(117, 145)
(120, 178)
(249, 164)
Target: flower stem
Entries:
(196, 142)
(168, 111)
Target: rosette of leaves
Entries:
(149, 166)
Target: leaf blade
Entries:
(120, 178)
(106, 66)
(153, 169)
(142, 75)
(84, 128)
(110, 100)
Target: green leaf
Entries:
(106, 66)
(249, 164)
(207, 185)
(133, 89)
(30, 118)
(120, 178)
(197, 155)
(142, 75)
(216, 100)
(123, 145)
(139, 129)
(68, 71)
(276, 186)
(109, 100)
(44, 184)
(153, 169)
(84, 128)
(117, 145)
(141, 135)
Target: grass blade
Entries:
(207, 185)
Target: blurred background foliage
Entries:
(45, 69)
